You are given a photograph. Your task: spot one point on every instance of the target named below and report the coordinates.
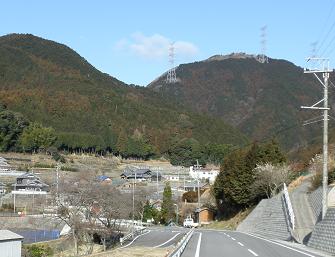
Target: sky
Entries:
(130, 39)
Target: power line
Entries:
(324, 26)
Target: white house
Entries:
(10, 244)
(204, 174)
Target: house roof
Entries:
(140, 172)
(102, 177)
(28, 175)
(9, 235)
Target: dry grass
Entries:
(134, 252)
(232, 223)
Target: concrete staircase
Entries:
(305, 217)
(267, 220)
(323, 235)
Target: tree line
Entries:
(19, 134)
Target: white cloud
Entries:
(155, 46)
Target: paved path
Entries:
(304, 218)
(236, 244)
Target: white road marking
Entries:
(134, 240)
(255, 254)
(233, 238)
(307, 254)
(197, 252)
(166, 241)
(240, 244)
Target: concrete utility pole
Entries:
(197, 169)
(134, 183)
(321, 65)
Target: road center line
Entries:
(167, 241)
(255, 254)
(296, 250)
(240, 244)
(197, 252)
(233, 238)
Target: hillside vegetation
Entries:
(262, 100)
(51, 84)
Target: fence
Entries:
(288, 207)
(181, 245)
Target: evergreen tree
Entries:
(35, 137)
(121, 144)
(167, 212)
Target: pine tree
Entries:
(167, 212)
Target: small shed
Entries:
(206, 215)
(10, 244)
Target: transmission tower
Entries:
(321, 66)
(262, 58)
(171, 76)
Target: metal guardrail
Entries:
(180, 247)
(131, 235)
(289, 208)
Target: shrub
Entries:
(38, 251)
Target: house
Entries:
(104, 179)
(193, 186)
(140, 174)
(29, 183)
(204, 174)
(173, 177)
(10, 244)
(2, 188)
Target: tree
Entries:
(232, 185)
(121, 143)
(167, 212)
(270, 178)
(35, 137)
(11, 126)
(185, 152)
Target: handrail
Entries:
(181, 245)
(289, 208)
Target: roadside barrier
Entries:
(180, 247)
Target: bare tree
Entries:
(270, 178)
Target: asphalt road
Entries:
(159, 237)
(235, 244)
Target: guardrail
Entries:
(181, 245)
(289, 208)
(131, 235)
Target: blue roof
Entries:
(102, 177)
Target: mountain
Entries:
(261, 99)
(50, 83)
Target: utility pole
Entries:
(321, 65)
(197, 169)
(57, 183)
(134, 203)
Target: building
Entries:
(193, 186)
(104, 179)
(10, 244)
(2, 188)
(172, 177)
(206, 215)
(29, 183)
(204, 174)
(140, 174)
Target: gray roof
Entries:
(9, 235)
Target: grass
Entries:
(134, 252)
(231, 223)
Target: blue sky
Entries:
(129, 39)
